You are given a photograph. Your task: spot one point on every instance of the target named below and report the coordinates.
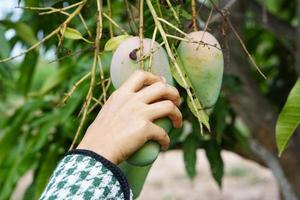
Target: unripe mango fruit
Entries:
(136, 176)
(149, 152)
(202, 59)
(125, 61)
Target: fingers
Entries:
(165, 108)
(158, 91)
(139, 79)
(159, 135)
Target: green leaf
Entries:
(106, 57)
(202, 114)
(72, 34)
(5, 46)
(5, 67)
(113, 43)
(190, 146)
(213, 154)
(24, 31)
(20, 162)
(14, 125)
(27, 69)
(218, 118)
(55, 79)
(175, 136)
(289, 118)
(46, 170)
(176, 75)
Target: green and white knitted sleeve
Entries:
(85, 175)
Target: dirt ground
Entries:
(244, 180)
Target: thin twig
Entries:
(85, 25)
(111, 32)
(54, 32)
(71, 54)
(160, 12)
(50, 10)
(114, 23)
(191, 40)
(151, 53)
(101, 96)
(173, 60)
(193, 7)
(102, 78)
(172, 26)
(173, 11)
(141, 32)
(131, 18)
(224, 14)
(93, 73)
(207, 22)
(245, 48)
(69, 94)
(61, 37)
(54, 11)
(97, 101)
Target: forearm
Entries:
(83, 174)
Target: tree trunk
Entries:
(254, 108)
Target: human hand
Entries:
(125, 122)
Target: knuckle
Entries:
(176, 92)
(167, 140)
(140, 72)
(173, 90)
(160, 86)
(165, 135)
(144, 124)
(180, 115)
(169, 105)
(162, 131)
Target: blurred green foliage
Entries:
(36, 130)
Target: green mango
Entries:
(136, 176)
(202, 59)
(125, 61)
(149, 152)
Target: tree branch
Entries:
(297, 52)
(271, 22)
(266, 19)
(255, 110)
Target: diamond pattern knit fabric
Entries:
(81, 176)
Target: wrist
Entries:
(101, 150)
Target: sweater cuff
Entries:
(109, 165)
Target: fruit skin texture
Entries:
(124, 62)
(203, 65)
(149, 152)
(136, 176)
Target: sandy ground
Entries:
(167, 180)
(244, 180)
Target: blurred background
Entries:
(39, 116)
